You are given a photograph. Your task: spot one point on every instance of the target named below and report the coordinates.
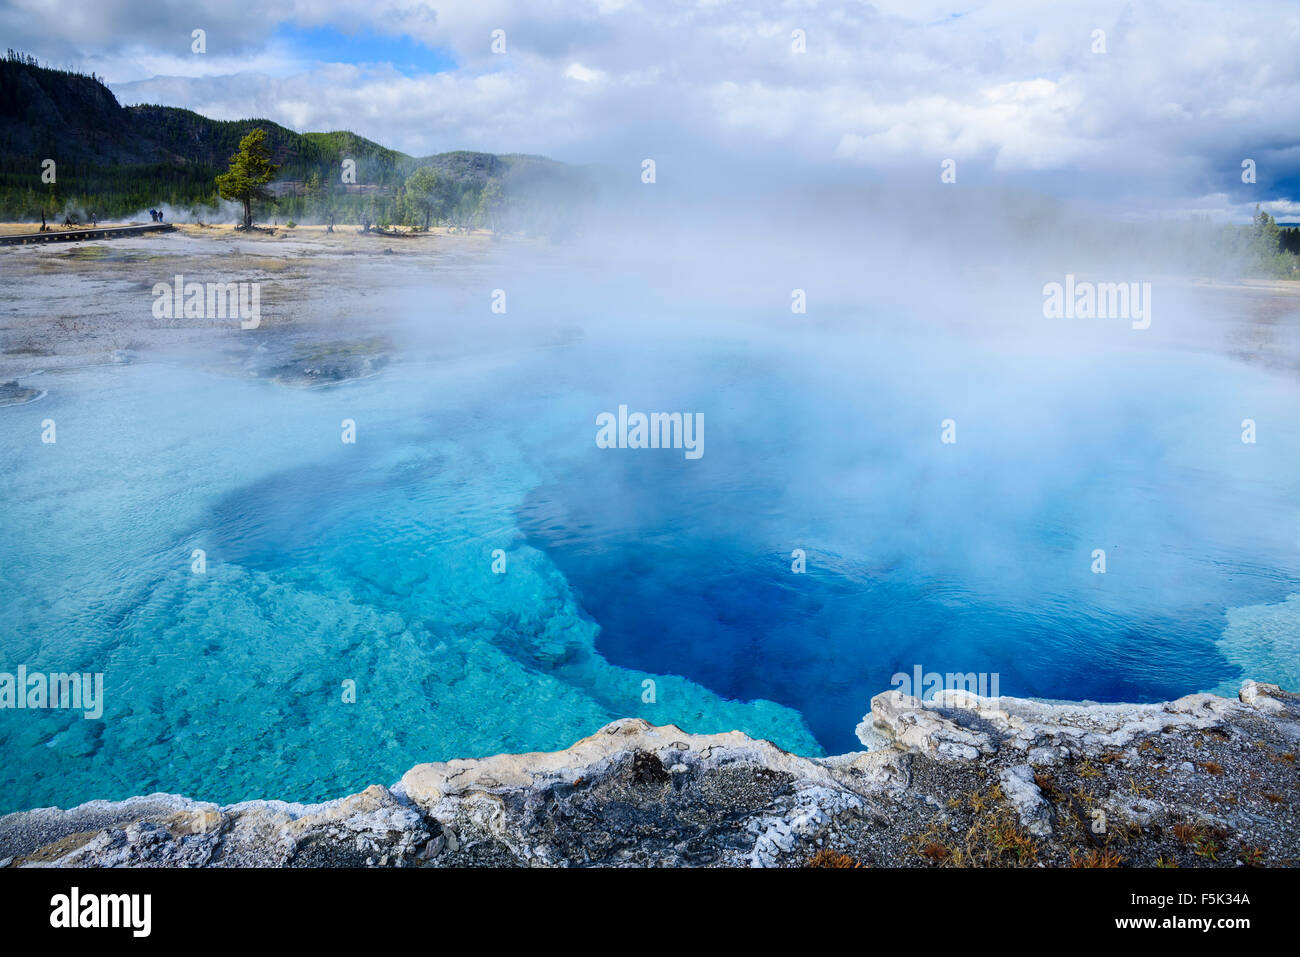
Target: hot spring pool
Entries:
(625, 570)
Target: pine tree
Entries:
(489, 203)
(426, 191)
(250, 170)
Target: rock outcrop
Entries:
(960, 780)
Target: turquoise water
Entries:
(372, 562)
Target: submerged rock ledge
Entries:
(962, 780)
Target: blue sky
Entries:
(1016, 92)
(329, 44)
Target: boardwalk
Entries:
(76, 234)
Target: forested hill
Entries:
(114, 160)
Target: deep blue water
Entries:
(971, 557)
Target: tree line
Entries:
(426, 199)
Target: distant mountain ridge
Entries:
(122, 159)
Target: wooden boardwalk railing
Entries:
(66, 235)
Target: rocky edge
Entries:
(961, 780)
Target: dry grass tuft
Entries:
(1251, 856)
(829, 858)
(936, 852)
(1095, 857)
